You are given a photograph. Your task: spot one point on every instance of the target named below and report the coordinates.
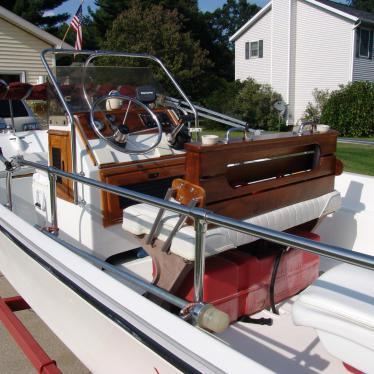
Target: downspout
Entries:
(358, 24)
(289, 57)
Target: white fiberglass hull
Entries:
(108, 326)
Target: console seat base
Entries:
(138, 220)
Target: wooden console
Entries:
(151, 177)
(247, 178)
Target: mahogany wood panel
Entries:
(133, 120)
(204, 161)
(247, 178)
(60, 152)
(133, 174)
(219, 188)
(266, 201)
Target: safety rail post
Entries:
(200, 231)
(9, 176)
(53, 200)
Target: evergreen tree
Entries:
(230, 18)
(158, 31)
(367, 5)
(108, 10)
(34, 12)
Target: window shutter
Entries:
(371, 45)
(260, 48)
(247, 50)
(358, 43)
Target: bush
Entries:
(314, 110)
(350, 109)
(249, 101)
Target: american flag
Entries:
(76, 24)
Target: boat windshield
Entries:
(98, 82)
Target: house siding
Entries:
(257, 68)
(280, 67)
(323, 53)
(363, 69)
(20, 52)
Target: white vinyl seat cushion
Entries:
(340, 306)
(138, 219)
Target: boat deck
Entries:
(283, 347)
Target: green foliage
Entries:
(159, 32)
(108, 10)
(34, 12)
(249, 101)
(314, 110)
(367, 5)
(225, 21)
(254, 104)
(350, 109)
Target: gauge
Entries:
(99, 125)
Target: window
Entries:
(254, 49)
(9, 76)
(364, 43)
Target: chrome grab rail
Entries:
(202, 217)
(207, 113)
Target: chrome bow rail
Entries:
(201, 218)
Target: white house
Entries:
(20, 45)
(299, 45)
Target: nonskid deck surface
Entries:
(283, 347)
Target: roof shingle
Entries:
(362, 15)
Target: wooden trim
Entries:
(61, 140)
(85, 141)
(132, 174)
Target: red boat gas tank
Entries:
(238, 282)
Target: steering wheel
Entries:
(120, 137)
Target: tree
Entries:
(108, 10)
(159, 31)
(34, 12)
(366, 5)
(227, 20)
(254, 103)
(221, 24)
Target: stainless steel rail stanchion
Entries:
(53, 199)
(9, 189)
(200, 231)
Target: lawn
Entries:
(357, 158)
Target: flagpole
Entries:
(67, 30)
(65, 35)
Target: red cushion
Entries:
(127, 90)
(18, 91)
(39, 92)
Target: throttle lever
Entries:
(7, 163)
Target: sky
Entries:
(71, 6)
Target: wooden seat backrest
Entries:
(186, 191)
(243, 179)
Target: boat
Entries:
(146, 247)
